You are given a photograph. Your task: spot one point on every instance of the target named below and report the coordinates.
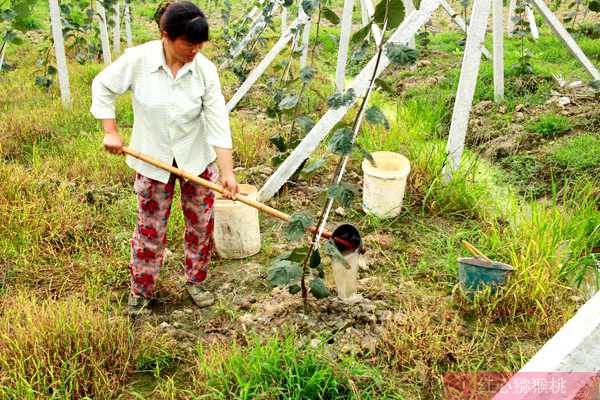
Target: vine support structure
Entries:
(59, 51)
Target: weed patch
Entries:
(62, 349)
(550, 125)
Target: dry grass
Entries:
(62, 349)
(424, 342)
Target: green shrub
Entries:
(550, 125)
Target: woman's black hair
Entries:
(182, 19)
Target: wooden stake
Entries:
(344, 44)
(106, 56)
(498, 39)
(59, 50)
(128, 35)
(117, 28)
(466, 85)
(562, 33)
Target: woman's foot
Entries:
(200, 296)
(137, 305)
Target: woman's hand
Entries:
(113, 143)
(230, 185)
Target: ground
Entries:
(527, 195)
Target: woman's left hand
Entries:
(231, 186)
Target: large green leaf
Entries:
(288, 102)
(361, 34)
(338, 99)
(307, 74)
(343, 192)
(341, 141)
(279, 142)
(375, 116)
(315, 259)
(400, 54)
(284, 272)
(306, 123)
(395, 13)
(309, 6)
(330, 15)
(318, 288)
(296, 227)
(594, 5)
(295, 288)
(313, 165)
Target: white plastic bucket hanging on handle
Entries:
(384, 184)
(237, 229)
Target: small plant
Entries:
(550, 125)
(290, 269)
(522, 30)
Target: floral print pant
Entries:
(150, 235)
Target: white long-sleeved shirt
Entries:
(179, 117)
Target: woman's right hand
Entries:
(113, 143)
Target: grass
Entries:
(579, 153)
(68, 212)
(550, 125)
(62, 349)
(280, 368)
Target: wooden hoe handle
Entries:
(217, 188)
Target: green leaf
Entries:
(296, 227)
(315, 259)
(594, 5)
(307, 74)
(51, 70)
(284, 272)
(298, 254)
(295, 288)
(7, 15)
(313, 165)
(333, 252)
(400, 54)
(338, 99)
(330, 15)
(341, 141)
(395, 13)
(595, 84)
(288, 102)
(318, 288)
(361, 34)
(309, 6)
(306, 123)
(278, 159)
(375, 116)
(343, 192)
(366, 154)
(278, 142)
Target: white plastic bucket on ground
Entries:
(237, 230)
(384, 185)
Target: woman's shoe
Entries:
(200, 296)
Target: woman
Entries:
(179, 118)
